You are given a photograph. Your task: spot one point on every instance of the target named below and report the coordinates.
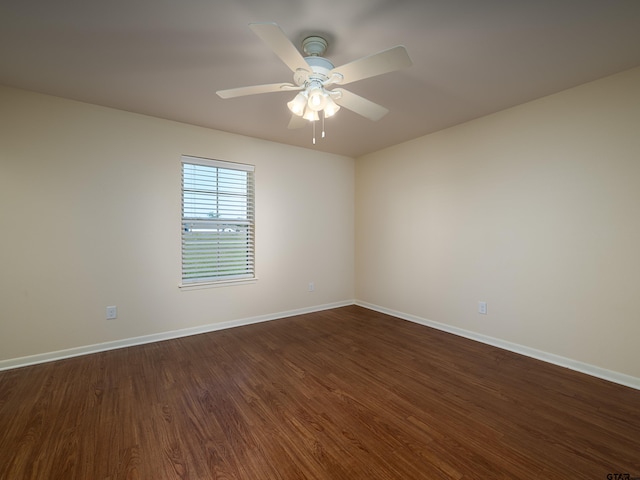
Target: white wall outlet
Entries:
(312, 287)
(482, 308)
(112, 313)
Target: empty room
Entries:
(290, 239)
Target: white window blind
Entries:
(217, 221)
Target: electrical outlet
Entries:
(112, 313)
(312, 287)
(482, 308)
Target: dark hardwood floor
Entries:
(340, 394)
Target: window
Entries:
(217, 221)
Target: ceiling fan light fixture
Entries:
(298, 104)
(314, 74)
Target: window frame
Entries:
(216, 228)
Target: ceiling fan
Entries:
(313, 75)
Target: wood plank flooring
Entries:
(341, 394)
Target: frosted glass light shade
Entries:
(311, 115)
(317, 98)
(298, 104)
(331, 108)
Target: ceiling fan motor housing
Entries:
(320, 68)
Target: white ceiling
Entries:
(167, 58)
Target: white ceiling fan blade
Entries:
(359, 105)
(274, 37)
(255, 89)
(386, 61)
(297, 122)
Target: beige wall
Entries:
(535, 210)
(90, 217)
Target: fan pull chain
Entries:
(322, 133)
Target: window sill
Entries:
(221, 283)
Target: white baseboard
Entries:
(158, 337)
(576, 365)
